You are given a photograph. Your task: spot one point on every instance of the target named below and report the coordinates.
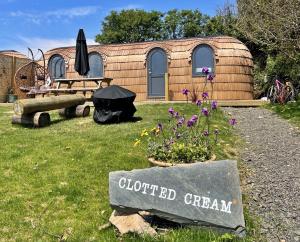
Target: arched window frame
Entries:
(102, 61)
(151, 51)
(163, 48)
(199, 73)
(62, 66)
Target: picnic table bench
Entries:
(69, 86)
(70, 81)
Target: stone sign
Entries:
(206, 194)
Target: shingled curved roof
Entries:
(126, 64)
(13, 53)
(219, 42)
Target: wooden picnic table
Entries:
(71, 81)
(70, 89)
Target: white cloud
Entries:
(127, 7)
(132, 6)
(45, 44)
(73, 12)
(49, 16)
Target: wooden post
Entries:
(75, 111)
(38, 119)
(167, 86)
(13, 72)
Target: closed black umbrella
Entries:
(82, 58)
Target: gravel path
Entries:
(272, 154)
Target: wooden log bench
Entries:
(33, 111)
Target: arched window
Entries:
(203, 56)
(96, 65)
(56, 67)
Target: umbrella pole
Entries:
(84, 87)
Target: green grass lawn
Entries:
(54, 180)
(290, 111)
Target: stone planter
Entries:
(154, 162)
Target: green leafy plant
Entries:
(185, 139)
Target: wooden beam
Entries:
(167, 86)
(26, 106)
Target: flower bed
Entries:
(185, 139)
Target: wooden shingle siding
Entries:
(10, 62)
(127, 65)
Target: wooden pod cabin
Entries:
(161, 69)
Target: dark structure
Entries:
(113, 104)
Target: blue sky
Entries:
(47, 24)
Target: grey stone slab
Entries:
(206, 194)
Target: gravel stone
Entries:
(272, 154)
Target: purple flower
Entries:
(198, 103)
(205, 133)
(190, 123)
(205, 112)
(194, 118)
(210, 77)
(232, 121)
(214, 105)
(204, 95)
(185, 91)
(205, 70)
(160, 127)
(176, 114)
(180, 122)
(171, 111)
(216, 131)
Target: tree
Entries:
(274, 24)
(193, 23)
(131, 26)
(224, 22)
(138, 25)
(184, 24)
(172, 24)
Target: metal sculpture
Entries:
(31, 77)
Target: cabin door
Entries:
(157, 67)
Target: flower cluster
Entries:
(185, 91)
(192, 121)
(232, 121)
(205, 95)
(206, 71)
(183, 139)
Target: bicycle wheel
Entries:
(272, 94)
(290, 93)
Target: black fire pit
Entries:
(113, 104)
